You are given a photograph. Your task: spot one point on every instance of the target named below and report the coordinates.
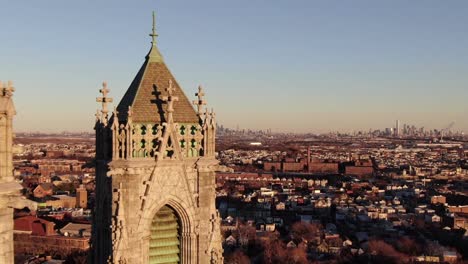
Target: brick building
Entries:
(35, 236)
(323, 167)
(361, 168)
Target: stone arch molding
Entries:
(187, 216)
(184, 211)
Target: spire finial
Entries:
(154, 55)
(153, 33)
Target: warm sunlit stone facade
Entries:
(10, 195)
(155, 174)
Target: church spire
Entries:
(147, 92)
(154, 55)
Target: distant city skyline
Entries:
(297, 66)
(448, 128)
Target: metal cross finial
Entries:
(200, 102)
(104, 99)
(153, 33)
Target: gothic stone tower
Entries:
(10, 195)
(155, 174)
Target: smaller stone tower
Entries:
(155, 173)
(10, 195)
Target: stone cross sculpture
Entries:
(200, 102)
(170, 100)
(104, 100)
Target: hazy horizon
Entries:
(324, 131)
(298, 66)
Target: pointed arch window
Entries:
(165, 237)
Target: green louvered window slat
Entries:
(164, 242)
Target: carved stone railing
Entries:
(122, 139)
(143, 140)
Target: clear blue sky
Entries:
(287, 65)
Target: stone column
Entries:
(6, 235)
(9, 150)
(185, 248)
(5, 160)
(210, 238)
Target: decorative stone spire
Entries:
(104, 100)
(98, 116)
(213, 117)
(116, 138)
(201, 101)
(129, 113)
(6, 102)
(115, 113)
(207, 120)
(128, 128)
(8, 90)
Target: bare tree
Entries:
(386, 253)
(273, 249)
(303, 230)
(409, 246)
(78, 257)
(237, 257)
(295, 256)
